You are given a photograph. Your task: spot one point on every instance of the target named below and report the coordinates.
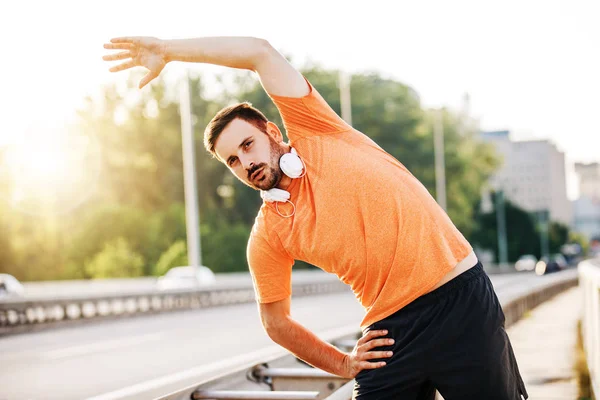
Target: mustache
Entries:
(254, 169)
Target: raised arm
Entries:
(276, 74)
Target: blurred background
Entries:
(91, 168)
(110, 207)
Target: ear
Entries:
(274, 132)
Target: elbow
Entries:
(272, 332)
(262, 51)
(275, 328)
(263, 47)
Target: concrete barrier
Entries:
(589, 277)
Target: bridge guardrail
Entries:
(87, 287)
(241, 383)
(44, 311)
(33, 314)
(589, 276)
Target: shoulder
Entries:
(264, 227)
(265, 250)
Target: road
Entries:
(143, 357)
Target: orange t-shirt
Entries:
(360, 214)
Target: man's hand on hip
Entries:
(362, 353)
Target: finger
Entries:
(372, 334)
(126, 39)
(119, 56)
(118, 46)
(149, 76)
(370, 355)
(371, 365)
(376, 343)
(121, 67)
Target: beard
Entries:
(272, 174)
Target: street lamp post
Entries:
(543, 225)
(192, 217)
(345, 100)
(501, 224)
(440, 163)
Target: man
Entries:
(335, 199)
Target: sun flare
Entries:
(39, 165)
(48, 172)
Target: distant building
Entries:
(589, 180)
(532, 175)
(586, 209)
(586, 216)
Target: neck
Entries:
(284, 183)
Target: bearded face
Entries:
(267, 175)
(251, 154)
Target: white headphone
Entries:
(293, 166)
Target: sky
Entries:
(529, 66)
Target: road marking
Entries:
(100, 346)
(224, 365)
(214, 369)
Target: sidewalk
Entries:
(544, 344)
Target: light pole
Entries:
(501, 223)
(440, 163)
(345, 100)
(543, 224)
(192, 217)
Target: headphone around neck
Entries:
(292, 165)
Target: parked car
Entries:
(10, 287)
(187, 277)
(526, 262)
(553, 263)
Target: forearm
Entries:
(308, 347)
(234, 52)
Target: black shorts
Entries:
(451, 339)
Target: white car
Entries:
(186, 278)
(526, 262)
(10, 287)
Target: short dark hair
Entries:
(243, 111)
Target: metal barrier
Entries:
(32, 314)
(277, 376)
(589, 276)
(284, 377)
(43, 312)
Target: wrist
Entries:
(343, 368)
(166, 50)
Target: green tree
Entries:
(224, 245)
(580, 239)
(7, 258)
(140, 140)
(139, 194)
(521, 233)
(116, 260)
(176, 255)
(558, 235)
(469, 163)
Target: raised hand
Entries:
(147, 52)
(360, 357)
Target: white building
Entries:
(586, 217)
(532, 175)
(589, 180)
(586, 209)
